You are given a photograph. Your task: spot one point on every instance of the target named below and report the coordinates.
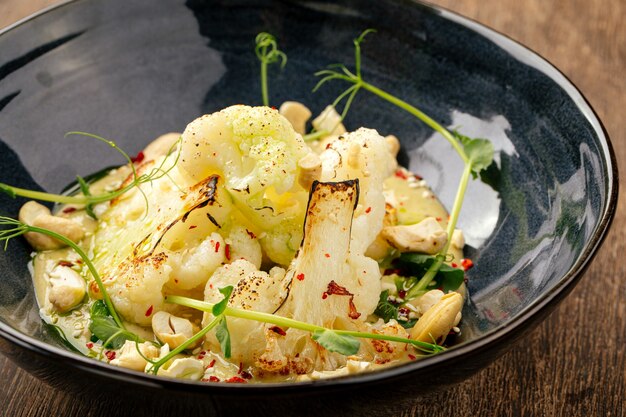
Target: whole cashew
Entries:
(35, 214)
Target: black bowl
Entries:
(131, 70)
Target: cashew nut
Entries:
(426, 236)
(35, 214)
(160, 146)
(458, 240)
(66, 288)
(297, 114)
(184, 368)
(438, 320)
(310, 170)
(426, 301)
(330, 121)
(393, 144)
(128, 357)
(173, 330)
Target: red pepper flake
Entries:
(236, 380)
(227, 251)
(251, 234)
(454, 265)
(300, 277)
(367, 210)
(327, 255)
(149, 311)
(273, 107)
(79, 261)
(192, 227)
(336, 289)
(401, 174)
(110, 355)
(324, 295)
(412, 357)
(328, 146)
(401, 294)
(438, 219)
(217, 247)
(467, 264)
(278, 330)
(69, 209)
(65, 263)
(214, 379)
(240, 370)
(137, 159)
(89, 345)
(246, 375)
(176, 280)
(211, 364)
(200, 356)
(211, 286)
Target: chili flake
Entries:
(327, 255)
(149, 311)
(110, 355)
(300, 277)
(227, 251)
(367, 210)
(466, 264)
(139, 158)
(412, 357)
(65, 263)
(69, 209)
(278, 330)
(217, 246)
(211, 364)
(236, 379)
(89, 345)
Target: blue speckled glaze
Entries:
(131, 70)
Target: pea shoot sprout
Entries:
(268, 53)
(476, 154)
(86, 198)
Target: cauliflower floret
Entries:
(135, 287)
(253, 290)
(257, 151)
(193, 267)
(243, 244)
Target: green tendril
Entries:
(476, 154)
(13, 228)
(267, 51)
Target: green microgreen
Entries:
(477, 154)
(103, 326)
(335, 340)
(446, 278)
(267, 51)
(12, 228)
(86, 198)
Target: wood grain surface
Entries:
(574, 364)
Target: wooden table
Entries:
(573, 364)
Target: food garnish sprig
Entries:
(341, 341)
(268, 53)
(86, 198)
(13, 228)
(476, 154)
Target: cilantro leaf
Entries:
(333, 342)
(221, 306)
(447, 278)
(106, 329)
(386, 310)
(223, 336)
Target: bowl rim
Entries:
(524, 55)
